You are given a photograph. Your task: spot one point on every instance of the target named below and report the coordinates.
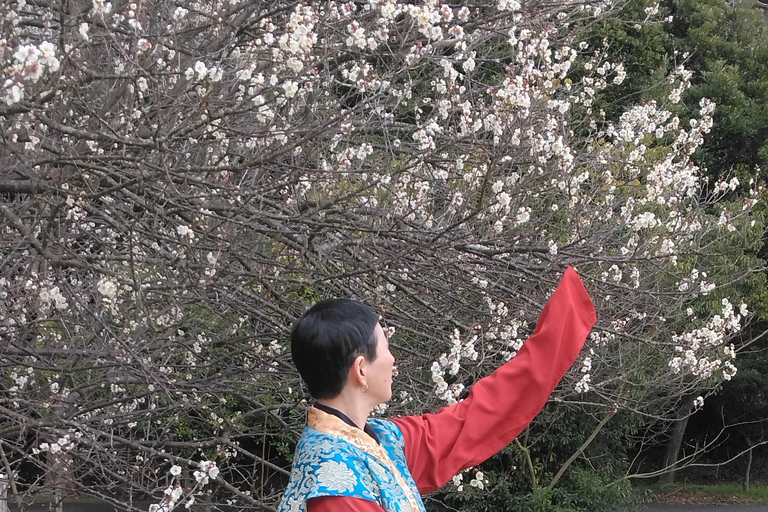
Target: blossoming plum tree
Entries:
(179, 179)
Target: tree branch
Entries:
(583, 447)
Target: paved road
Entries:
(706, 508)
(95, 507)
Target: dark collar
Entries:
(343, 417)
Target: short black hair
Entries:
(327, 338)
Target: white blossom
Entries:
(179, 13)
(101, 7)
(201, 70)
(107, 287)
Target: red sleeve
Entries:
(342, 504)
(500, 406)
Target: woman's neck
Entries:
(355, 409)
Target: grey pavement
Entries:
(706, 508)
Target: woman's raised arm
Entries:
(500, 406)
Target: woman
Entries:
(345, 462)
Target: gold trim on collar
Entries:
(335, 426)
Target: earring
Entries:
(365, 389)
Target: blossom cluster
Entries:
(195, 173)
(175, 492)
(477, 482)
(451, 364)
(62, 444)
(712, 335)
(30, 63)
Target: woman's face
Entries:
(379, 375)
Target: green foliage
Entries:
(587, 489)
(729, 50)
(721, 493)
(647, 53)
(598, 491)
(594, 482)
(725, 46)
(740, 405)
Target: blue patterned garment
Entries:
(335, 459)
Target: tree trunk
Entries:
(3, 493)
(59, 479)
(675, 442)
(749, 468)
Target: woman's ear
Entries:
(357, 371)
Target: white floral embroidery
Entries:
(379, 471)
(373, 479)
(296, 505)
(336, 476)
